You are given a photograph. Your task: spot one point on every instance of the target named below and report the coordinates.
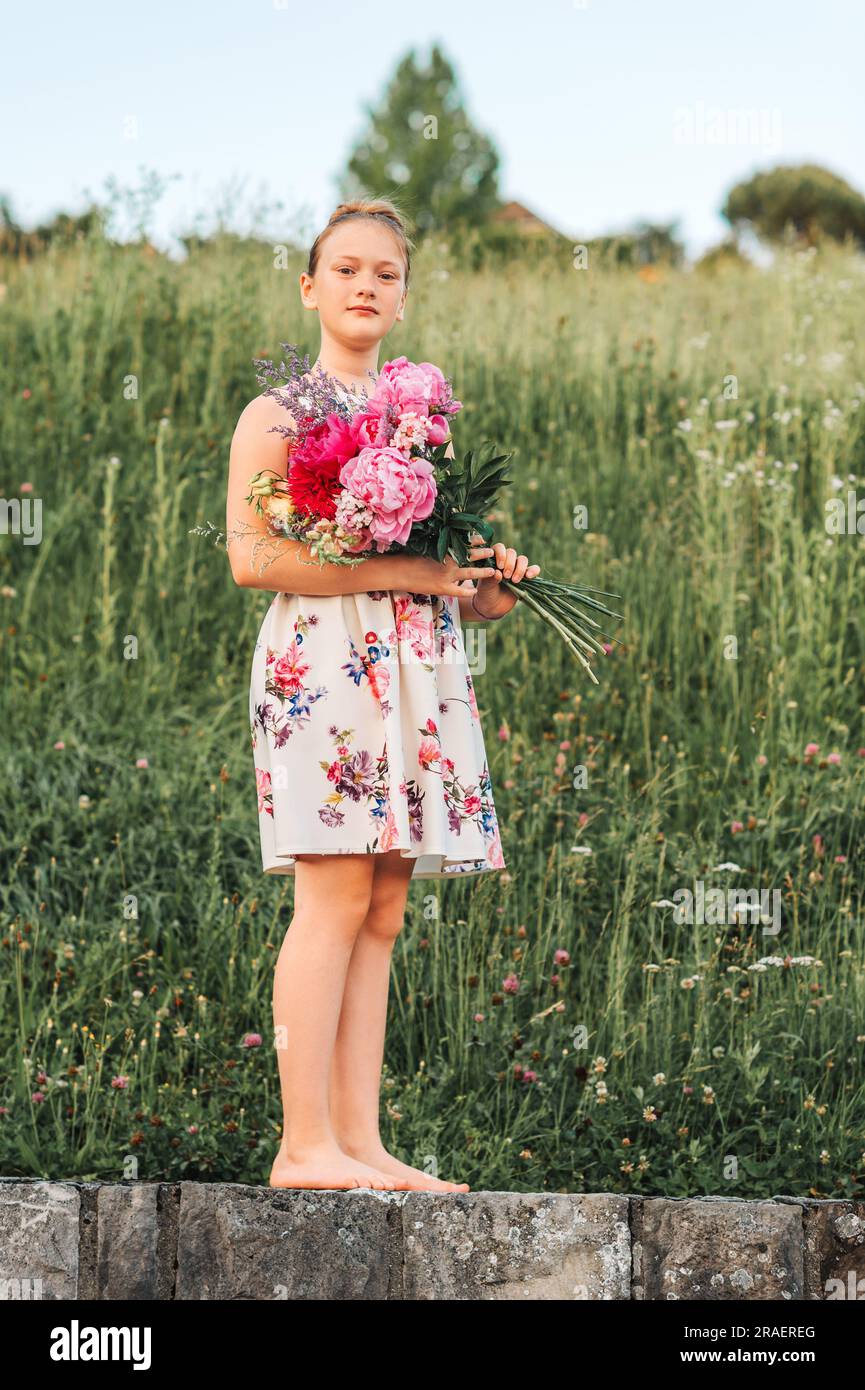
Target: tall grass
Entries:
(139, 934)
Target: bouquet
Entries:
(376, 476)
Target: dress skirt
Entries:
(366, 735)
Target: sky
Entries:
(604, 112)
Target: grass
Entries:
(139, 934)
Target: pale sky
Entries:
(603, 111)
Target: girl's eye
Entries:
(387, 273)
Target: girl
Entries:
(367, 746)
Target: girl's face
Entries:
(360, 264)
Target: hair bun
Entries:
(379, 208)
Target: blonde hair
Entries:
(381, 209)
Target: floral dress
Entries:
(366, 735)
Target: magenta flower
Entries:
(562, 957)
(811, 749)
(833, 758)
(736, 826)
(120, 1083)
(510, 984)
(251, 1040)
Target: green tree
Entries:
(421, 149)
(805, 198)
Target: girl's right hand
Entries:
(447, 577)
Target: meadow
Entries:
(553, 1027)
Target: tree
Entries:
(648, 243)
(421, 149)
(807, 198)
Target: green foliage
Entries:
(805, 199)
(727, 256)
(647, 244)
(466, 491)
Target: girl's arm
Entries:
(251, 547)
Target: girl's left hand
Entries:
(492, 600)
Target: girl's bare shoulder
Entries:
(268, 408)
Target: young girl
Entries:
(367, 745)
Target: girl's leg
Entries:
(308, 985)
(359, 1051)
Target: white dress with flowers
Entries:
(366, 735)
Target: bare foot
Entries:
(412, 1178)
(327, 1166)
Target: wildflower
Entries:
(141, 762)
(708, 1095)
(251, 1040)
(659, 1079)
(650, 1114)
(120, 1083)
(736, 826)
(60, 744)
(833, 758)
(510, 984)
(811, 749)
(562, 957)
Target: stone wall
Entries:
(191, 1240)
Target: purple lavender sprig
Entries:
(311, 394)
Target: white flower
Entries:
(727, 864)
(580, 849)
(726, 424)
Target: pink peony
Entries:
(408, 386)
(397, 491)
